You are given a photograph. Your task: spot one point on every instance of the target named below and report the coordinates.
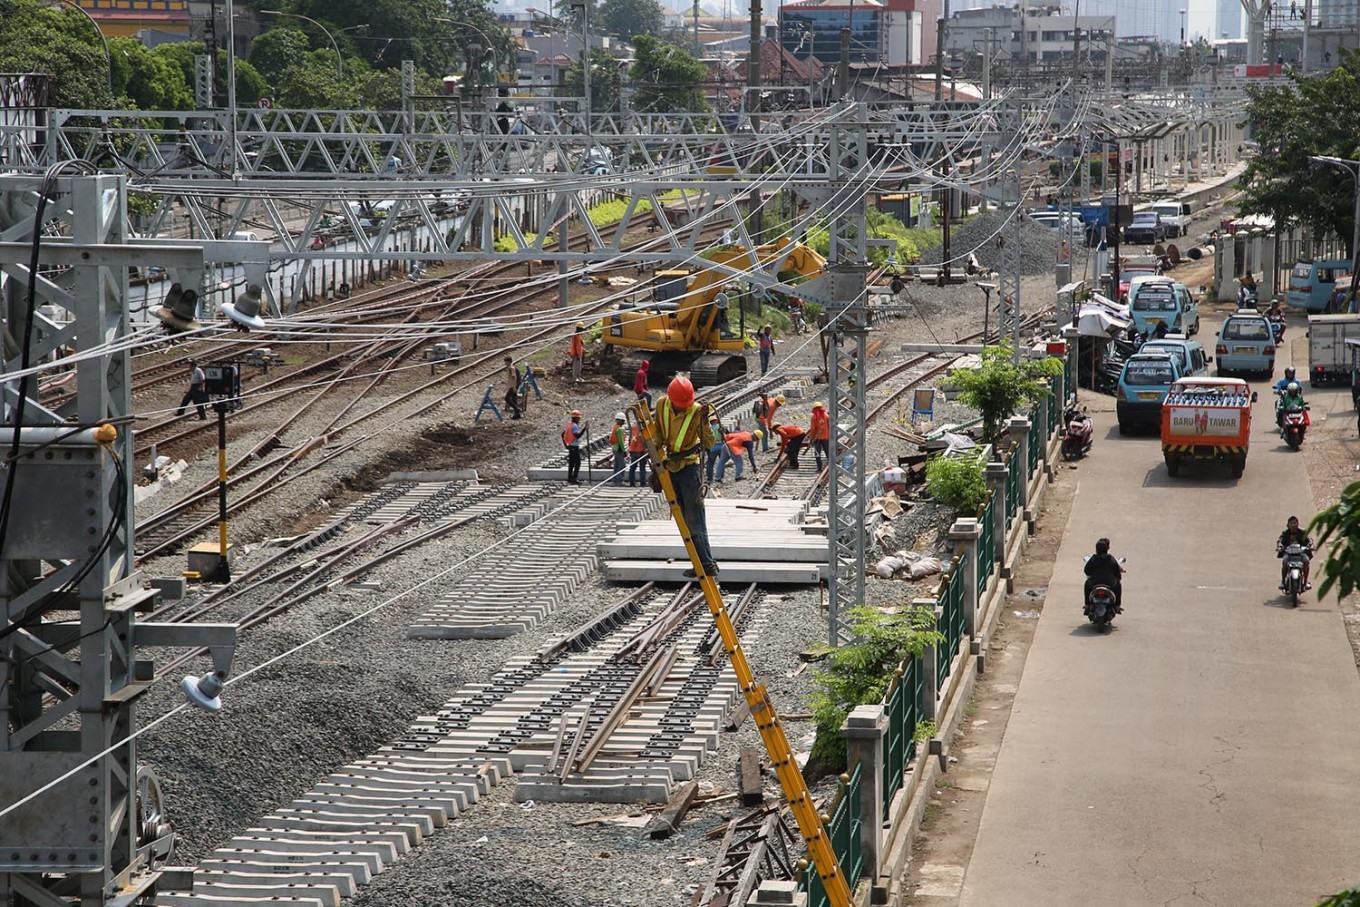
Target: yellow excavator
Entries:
(686, 329)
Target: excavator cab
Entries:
(671, 285)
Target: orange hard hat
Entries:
(575, 414)
(681, 392)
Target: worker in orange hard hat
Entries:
(571, 440)
(819, 433)
(576, 348)
(683, 434)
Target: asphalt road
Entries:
(1206, 750)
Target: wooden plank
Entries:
(751, 783)
(740, 712)
(666, 824)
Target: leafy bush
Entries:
(998, 386)
(959, 482)
(911, 241)
(858, 674)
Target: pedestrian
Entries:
(819, 433)
(791, 439)
(766, 344)
(637, 456)
(577, 350)
(197, 394)
(571, 440)
(738, 444)
(765, 410)
(684, 433)
(618, 442)
(641, 382)
(512, 379)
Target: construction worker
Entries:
(197, 394)
(765, 341)
(683, 434)
(714, 453)
(819, 433)
(791, 439)
(640, 382)
(637, 456)
(738, 444)
(765, 416)
(512, 380)
(618, 442)
(576, 348)
(571, 440)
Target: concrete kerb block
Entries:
(781, 893)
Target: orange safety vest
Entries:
(680, 433)
(577, 347)
(771, 407)
(820, 430)
(617, 437)
(787, 433)
(737, 441)
(635, 440)
(569, 437)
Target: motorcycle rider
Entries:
(1275, 315)
(1103, 569)
(1291, 401)
(1292, 535)
(1284, 382)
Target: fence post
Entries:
(1020, 430)
(864, 731)
(965, 534)
(996, 482)
(930, 668)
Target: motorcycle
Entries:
(1101, 605)
(1276, 327)
(1078, 433)
(1293, 426)
(1295, 557)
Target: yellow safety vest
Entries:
(679, 437)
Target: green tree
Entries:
(1340, 524)
(666, 77)
(628, 18)
(250, 85)
(605, 74)
(1348, 898)
(998, 387)
(276, 50)
(859, 673)
(314, 84)
(381, 89)
(960, 482)
(61, 43)
(148, 81)
(1304, 116)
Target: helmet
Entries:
(1292, 388)
(1102, 546)
(817, 406)
(758, 434)
(680, 392)
(580, 325)
(620, 417)
(1289, 373)
(575, 414)
(779, 399)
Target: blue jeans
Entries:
(638, 464)
(620, 458)
(712, 458)
(692, 509)
(764, 361)
(728, 457)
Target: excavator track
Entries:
(704, 371)
(717, 368)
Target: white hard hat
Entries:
(620, 417)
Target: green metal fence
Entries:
(951, 622)
(902, 706)
(1013, 480)
(1035, 442)
(1054, 405)
(986, 547)
(844, 833)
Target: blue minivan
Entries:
(1143, 385)
(1312, 283)
(1155, 300)
(1189, 353)
(1245, 344)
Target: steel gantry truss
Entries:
(80, 823)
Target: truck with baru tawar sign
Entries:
(1207, 419)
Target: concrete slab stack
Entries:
(762, 541)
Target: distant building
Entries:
(128, 18)
(1044, 34)
(1229, 24)
(892, 32)
(1336, 13)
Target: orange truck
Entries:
(1207, 419)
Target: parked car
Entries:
(1146, 228)
(1175, 216)
(1131, 271)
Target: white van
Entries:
(248, 235)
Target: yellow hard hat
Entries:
(779, 399)
(580, 325)
(758, 435)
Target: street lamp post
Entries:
(1353, 168)
(488, 43)
(339, 58)
(585, 55)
